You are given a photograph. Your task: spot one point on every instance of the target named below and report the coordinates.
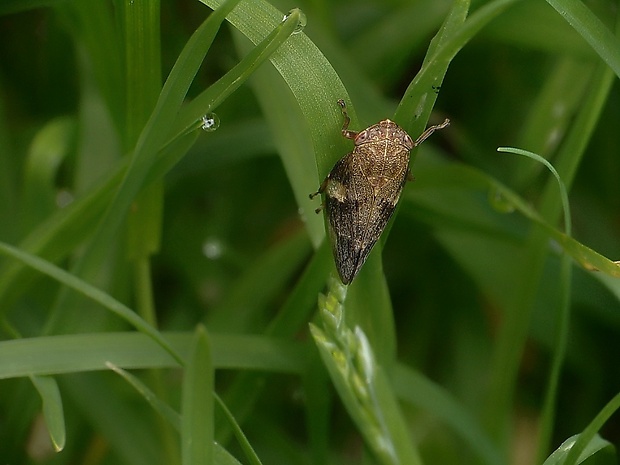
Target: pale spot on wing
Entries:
(336, 190)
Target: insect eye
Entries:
(361, 137)
(408, 141)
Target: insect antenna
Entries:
(426, 134)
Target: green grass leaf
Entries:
(215, 94)
(592, 29)
(562, 188)
(197, 403)
(241, 438)
(86, 352)
(582, 444)
(513, 334)
(595, 445)
(312, 79)
(562, 312)
(163, 409)
(450, 41)
(152, 139)
(52, 409)
(220, 455)
(89, 291)
(471, 268)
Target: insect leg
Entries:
(426, 134)
(322, 206)
(345, 125)
(320, 191)
(321, 188)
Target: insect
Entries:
(363, 188)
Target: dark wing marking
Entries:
(358, 218)
(341, 212)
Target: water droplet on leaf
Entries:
(301, 23)
(210, 122)
(499, 201)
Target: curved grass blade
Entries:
(220, 455)
(52, 409)
(167, 412)
(560, 455)
(513, 334)
(563, 314)
(563, 194)
(589, 434)
(210, 98)
(241, 438)
(585, 256)
(91, 292)
(291, 137)
(307, 73)
(592, 29)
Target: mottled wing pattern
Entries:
(359, 211)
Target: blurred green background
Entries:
(225, 237)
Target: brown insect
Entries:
(363, 188)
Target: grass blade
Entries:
(152, 138)
(210, 98)
(563, 314)
(52, 409)
(167, 412)
(307, 73)
(435, 66)
(197, 403)
(87, 352)
(592, 29)
(241, 438)
(91, 292)
(589, 433)
(560, 455)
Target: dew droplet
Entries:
(499, 202)
(64, 198)
(302, 215)
(301, 23)
(210, 122)
(212, 248)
